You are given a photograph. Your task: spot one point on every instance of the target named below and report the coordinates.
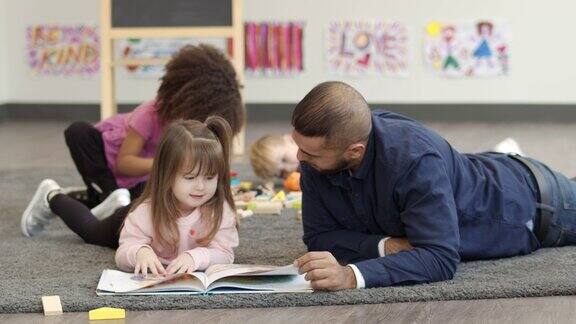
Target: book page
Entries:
(219, 271)
(121, 282)
(281, 283)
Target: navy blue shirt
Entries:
(412, 183)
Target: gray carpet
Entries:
(59, 263)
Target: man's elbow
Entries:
(447, 266)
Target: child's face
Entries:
(193, 190)
(286, 160)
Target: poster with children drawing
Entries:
(63, 50)
(367, 48)
(474, 49)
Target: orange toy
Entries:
(292, 183)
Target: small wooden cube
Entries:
(51, 305)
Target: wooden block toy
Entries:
(294, 195)
(263, 197)
(241, 204)
(280, 196)
(244, 213)
(106, 313)
(296, 204)
(266, 207)
(299, 215)
(51, 305)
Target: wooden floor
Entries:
(31, 144)
(523, 310)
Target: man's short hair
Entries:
(336, 111)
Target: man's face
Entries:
(313, 151)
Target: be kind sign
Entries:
(63, 50)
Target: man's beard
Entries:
(341, 165)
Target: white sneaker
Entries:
(38, 214)
(508, 145)
(118, 198)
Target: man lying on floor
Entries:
(374, 182)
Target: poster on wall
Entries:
(472, 49)
(273, 48)
(62, 50)
(367, 48)
(136, 48)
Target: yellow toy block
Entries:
(280, 196)
(106, 313)
(246, 185)
(51, 305)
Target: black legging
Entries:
(87, 150)
(82, 222)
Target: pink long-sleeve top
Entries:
(138, 232)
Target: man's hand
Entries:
(324, 272)
(396, 244)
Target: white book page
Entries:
(219, 271)
(121, 282)
(281, 283)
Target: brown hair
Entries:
(261, 158)
(199, 82)
(482, 24)
(189, 144)
(336, 111)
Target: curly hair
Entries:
(199, 82)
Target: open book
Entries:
(219, 278)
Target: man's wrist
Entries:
(360, 283)
(350, 277)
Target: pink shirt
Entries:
(138, 232)
(144, 120)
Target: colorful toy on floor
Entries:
(266, 207)
(106, 313)
(292, 182)
(234, 181)
(280, 196)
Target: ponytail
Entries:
(220, 127)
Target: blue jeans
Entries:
(562, 193)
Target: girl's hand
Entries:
(147, 259)
(184, 263)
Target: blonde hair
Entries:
(262, 156)
(189, 145)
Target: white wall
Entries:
(538, 74)
(3, 54)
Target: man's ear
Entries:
(355, 151)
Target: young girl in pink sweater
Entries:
(185, 220)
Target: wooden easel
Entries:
(108, 34)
